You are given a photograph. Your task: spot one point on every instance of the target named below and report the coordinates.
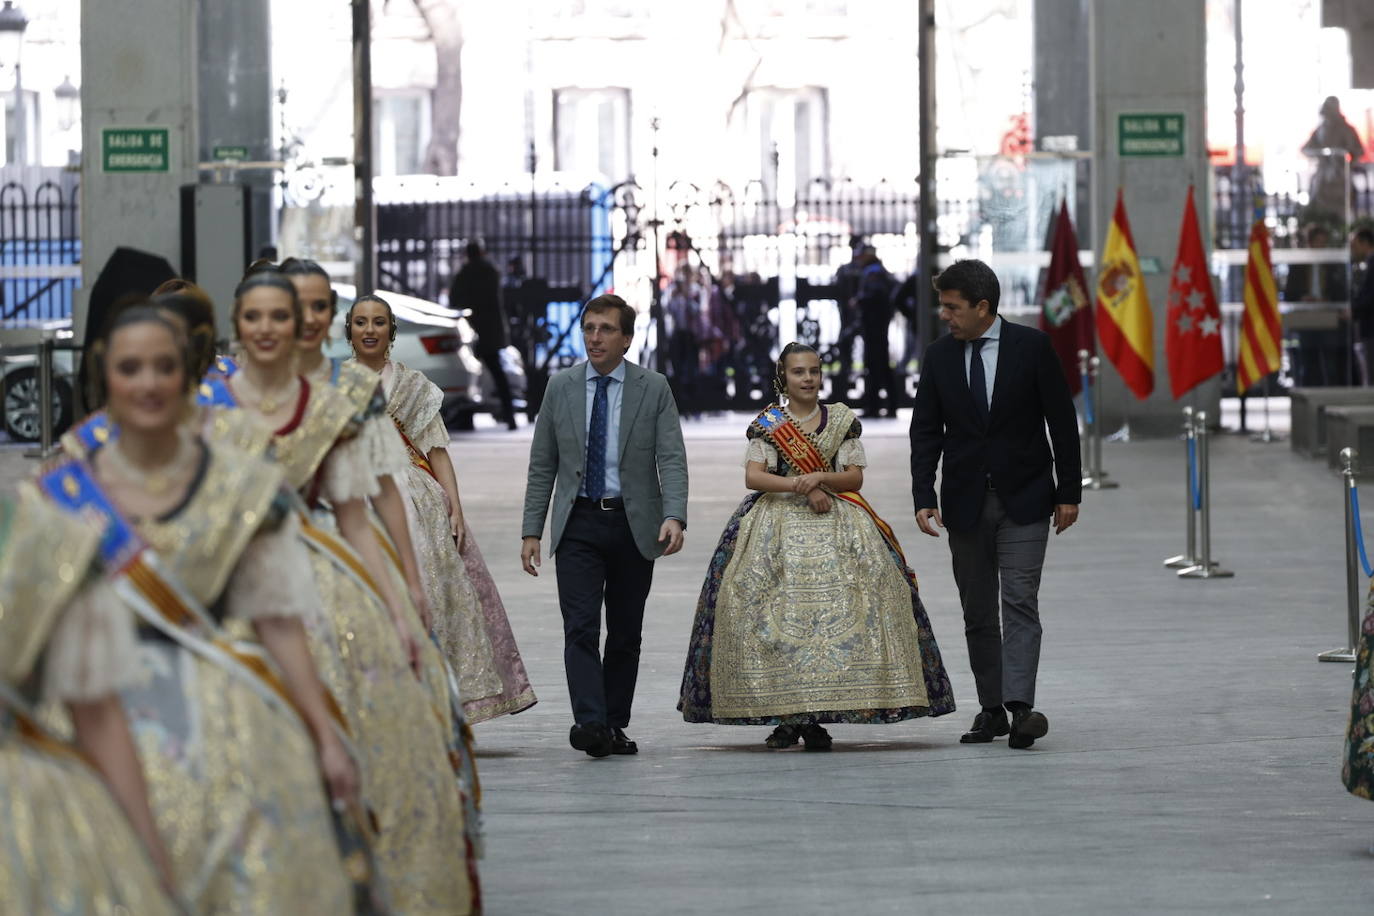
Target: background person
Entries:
(477, 288)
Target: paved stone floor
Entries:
(1192, 763)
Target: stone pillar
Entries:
(235, 97)
(1150, 58)
(1062, 97)
(138, 67)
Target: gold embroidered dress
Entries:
(810, 617)
(68, 848)
(329, 452)
(474, 634)
(232, 774)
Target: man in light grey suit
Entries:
(608, 453)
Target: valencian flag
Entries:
(1260, 329)
(1193, 336)
(1064, 313)
(1125, 324)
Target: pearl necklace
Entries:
(158, 481)
(806, 419)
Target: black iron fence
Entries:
(40, 250)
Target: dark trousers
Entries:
(491, 358)
(1005, 654)
(880, 383)
(597, 559)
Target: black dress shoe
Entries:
(593, 738)
(1026, 726)
(621, 743)
(986, 726)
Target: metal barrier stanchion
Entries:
(1094, 478)
(1206, 568)
(1189, 556)
(1089, 417)
(1353, 543)
(1100, 481)
(44, 448)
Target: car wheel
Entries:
(21, 405)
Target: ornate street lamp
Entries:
(13, 22)
(68, 103)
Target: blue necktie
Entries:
(596, 440)
(978, 380)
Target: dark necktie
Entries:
(978, 380)
(596, 440)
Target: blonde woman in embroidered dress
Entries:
(367, 647)
(809, 614)
(475, 635)
(363, 388)
(236, 757)
(65, 637)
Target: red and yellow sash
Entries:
(417, 458)
(800, 452)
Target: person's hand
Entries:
(529, 555)
(1065, 514)
(923, 521)
(340, 773)
(671, 532)
(820, 501)
(460, 532)
(806, 483)
(421, 602)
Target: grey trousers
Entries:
(1004, 654)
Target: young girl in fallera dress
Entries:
(809, 614)
(470, 621)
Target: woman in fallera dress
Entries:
(1357, 769)
(809, 614)
(368, 646)
(474, 634)
(64, 636)
(235, 735)
(390, 524)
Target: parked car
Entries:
(20, 392)
(437, 341)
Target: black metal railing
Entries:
(40, 251)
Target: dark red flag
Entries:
(1064, 312)
(1192, 336)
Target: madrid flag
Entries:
(1260, 330)
(1193, 336)
(1125, 324)
(1064, 314)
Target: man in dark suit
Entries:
(477, 288)
(608, 437)
(988, 390)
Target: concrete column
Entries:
(1150, 58)
(138, 66)
(235, 97)
(1063, 98)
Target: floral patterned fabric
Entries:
(1357, 771)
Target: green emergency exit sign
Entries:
(134, 149)
(227, 153)
(1149, 134)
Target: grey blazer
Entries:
(653, 459)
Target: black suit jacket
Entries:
(1028, 394)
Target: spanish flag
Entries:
(1125, 324)
(1260, 330)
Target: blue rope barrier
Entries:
(1194, 486)
(1087, 399)
(1359, 531)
